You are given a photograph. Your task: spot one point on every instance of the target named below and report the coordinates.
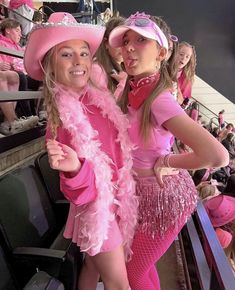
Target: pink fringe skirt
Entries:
(163, 207)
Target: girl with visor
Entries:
(167, 195)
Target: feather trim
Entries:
(94, 217)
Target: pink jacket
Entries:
(7, 42)
(14, 4)
(94, 126)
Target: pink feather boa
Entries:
(94, 217)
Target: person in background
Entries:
(167, 194)
(194, 111)
(228, 144)
(87, 142)
(172, 53)
(107, 70)
(221, 119)
(186, 69)
(215, 132)
(225, 131)
(3, 10)
(221, 212)
(230, 186)
(24, 8)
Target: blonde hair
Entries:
(190, 68)
(104, 58)
(49, 96)
(164, 83)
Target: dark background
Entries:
(207, 24)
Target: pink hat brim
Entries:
(116, 36)
(41, 40)
(217, 209)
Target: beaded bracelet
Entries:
(166, 160)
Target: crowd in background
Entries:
(215, 185)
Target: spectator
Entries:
(228, 144)
(224, 132)
(11, 66)
(186, 68)
(221, 211)
(221, 119)
(24, 8)
(10, 38)
(107, 69)
(9, 81)
(3, 11)
(230, 186)
(215, 132)
(194, 111)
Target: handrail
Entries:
(12, 10)
(204, 256)
(19, 95)
(11, 52)
(216, 116)
(204, 107)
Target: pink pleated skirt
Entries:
(71, 231)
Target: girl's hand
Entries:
(62, 157)
(121, 76)
(160, 170)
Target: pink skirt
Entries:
(72, 232)
(160, 208)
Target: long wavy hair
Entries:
(190, 68)
(103, 57)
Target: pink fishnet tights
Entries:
(141, 270)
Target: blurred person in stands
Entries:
(3, 10)
(221, 211)
(230, 186)
(224, 132)
(24, 8)
(167, 196)
(12, 75)
(215, 132)
(228, 144)
(108, 69)
(221, 119)
(87, 142)
(186, 69)
(9, 82)
(10, 38)
(194, 111)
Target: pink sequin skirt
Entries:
(160, 208)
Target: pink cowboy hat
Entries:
(60, 27)
(220, 209)
(224, 237)
(141, 24)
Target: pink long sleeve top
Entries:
(81, 188)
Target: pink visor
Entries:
(141, 24)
